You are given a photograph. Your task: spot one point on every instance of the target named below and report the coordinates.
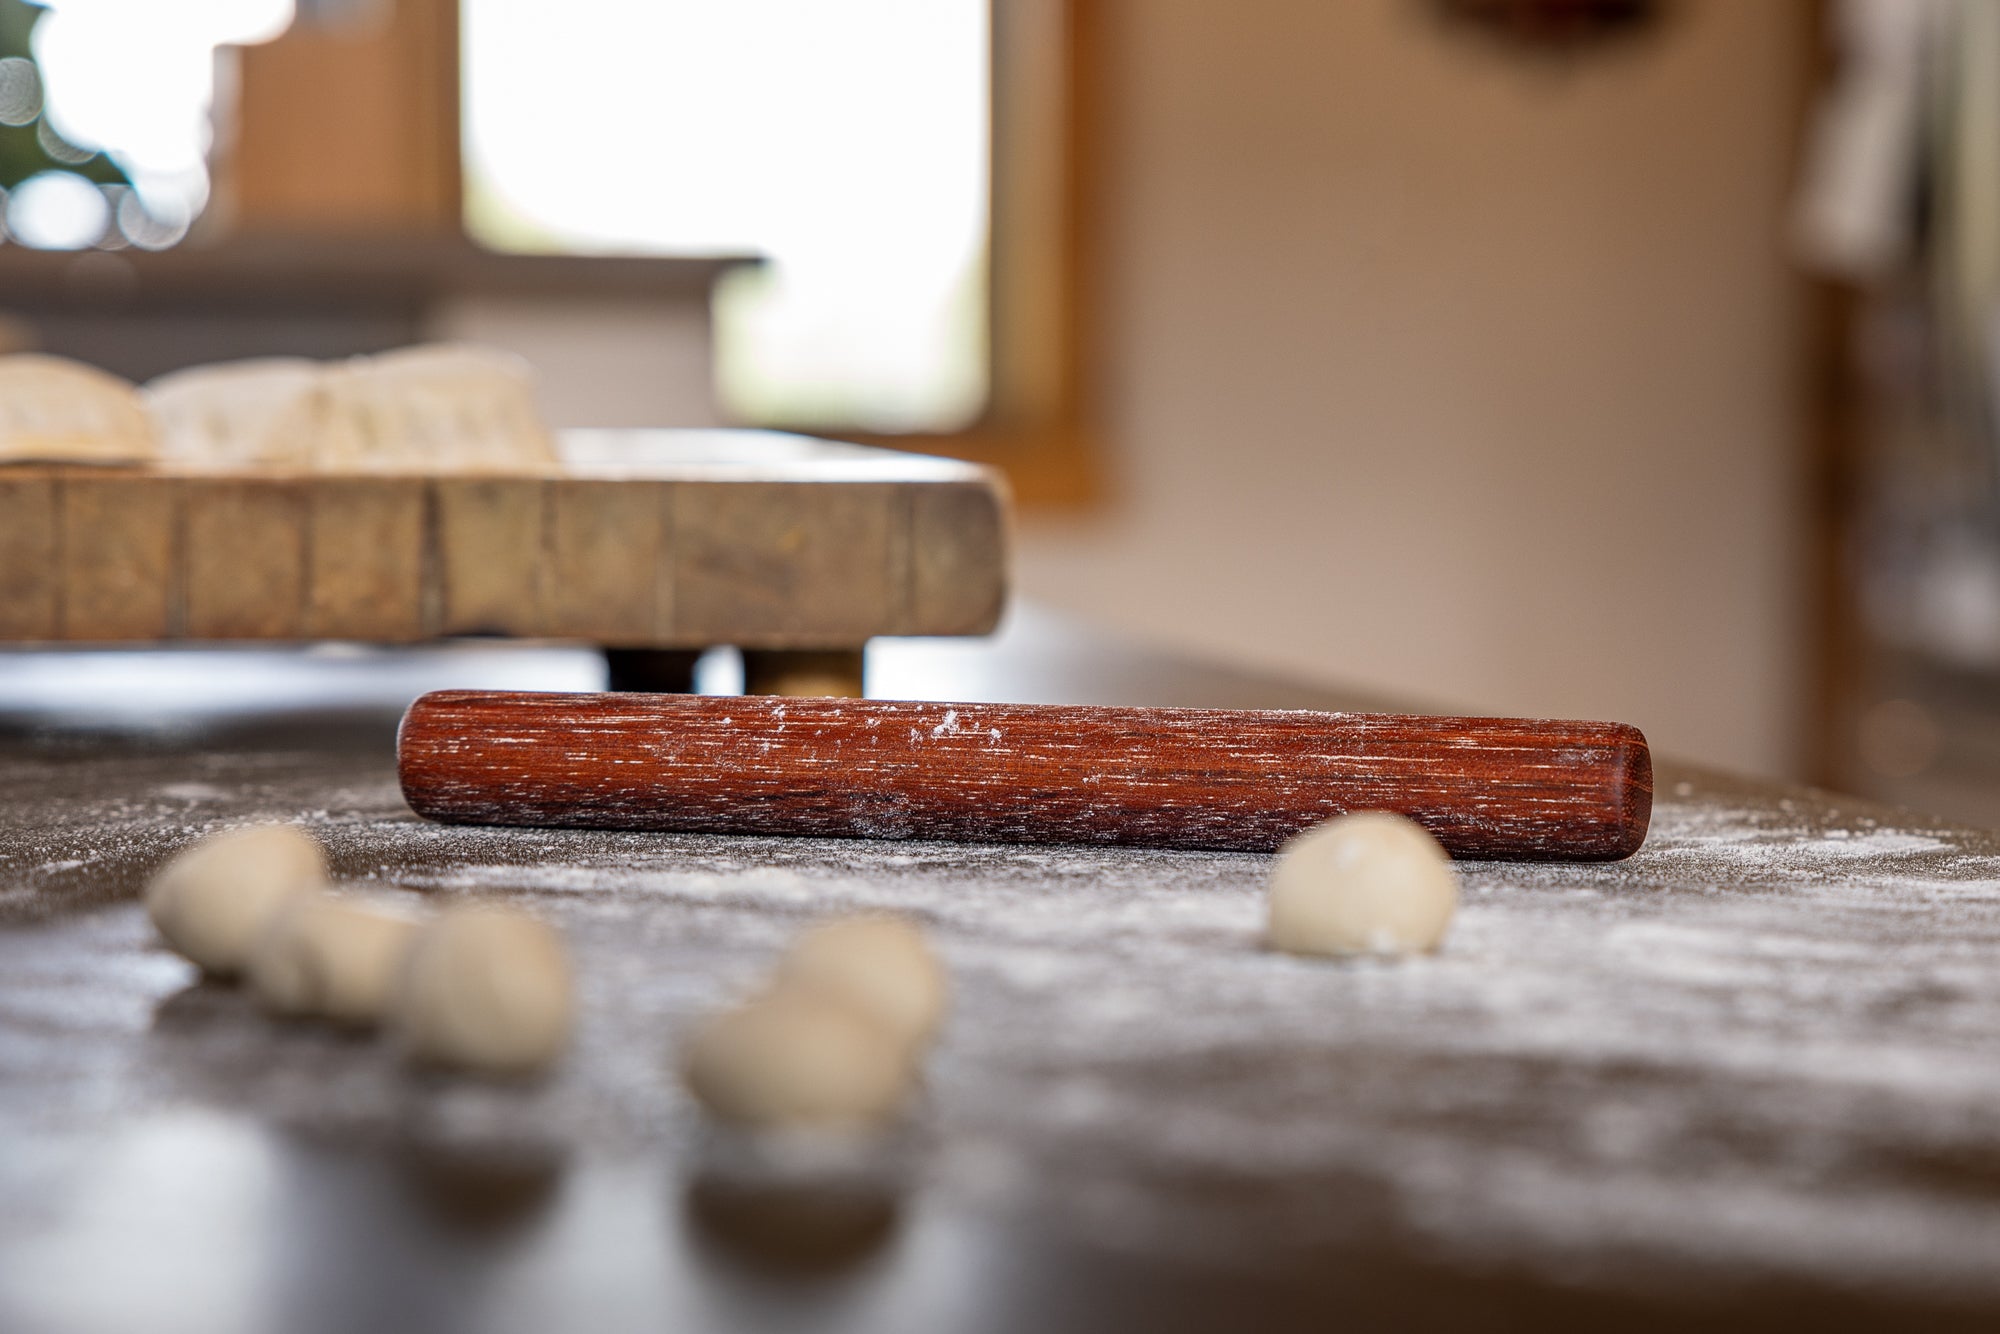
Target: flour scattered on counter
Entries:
(1747, 1052)
(193, 792)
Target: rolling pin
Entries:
(1229, 779)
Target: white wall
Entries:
(1450, 376)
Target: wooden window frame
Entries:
(1038, 427)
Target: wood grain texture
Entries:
(798, 567)
(603, 557)
(245, 561)
(30, 557)
(119, 540)
(1243, 780)
(636, 539)
(957, 535)
(489, 547)
(365, 553)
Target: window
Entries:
(846, 142)
(104, 114)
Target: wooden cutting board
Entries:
(637, 539)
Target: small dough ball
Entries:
(1367, 883)
(794, 1059)
(212, 900)
(880, 966)
(486, 989)
(331, 958)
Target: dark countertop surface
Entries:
(1752, 1073)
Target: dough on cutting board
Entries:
(331, 958)
(879, 966)
(448, 407)
(1367, 883)
(212, 900)
(796, 1059)
(54, 410)
(443, 407)
(266, 410)
(486, 989)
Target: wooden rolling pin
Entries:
(1233, 779)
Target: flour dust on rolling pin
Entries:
(1227, 779)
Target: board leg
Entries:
(803, 672)
(653, 671)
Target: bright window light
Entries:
(20, 91)
(846, 142)
(57, 210)
(136, 79)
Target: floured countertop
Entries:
(1753, 1070)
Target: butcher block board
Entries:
(641, 539)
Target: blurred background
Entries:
(1622, 358)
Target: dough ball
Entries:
(212, 900)
(1368, 883)
(54, 410)
(486, 989)
(331, 958)
(264, 410)
(797, 1059)
(879, 966)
